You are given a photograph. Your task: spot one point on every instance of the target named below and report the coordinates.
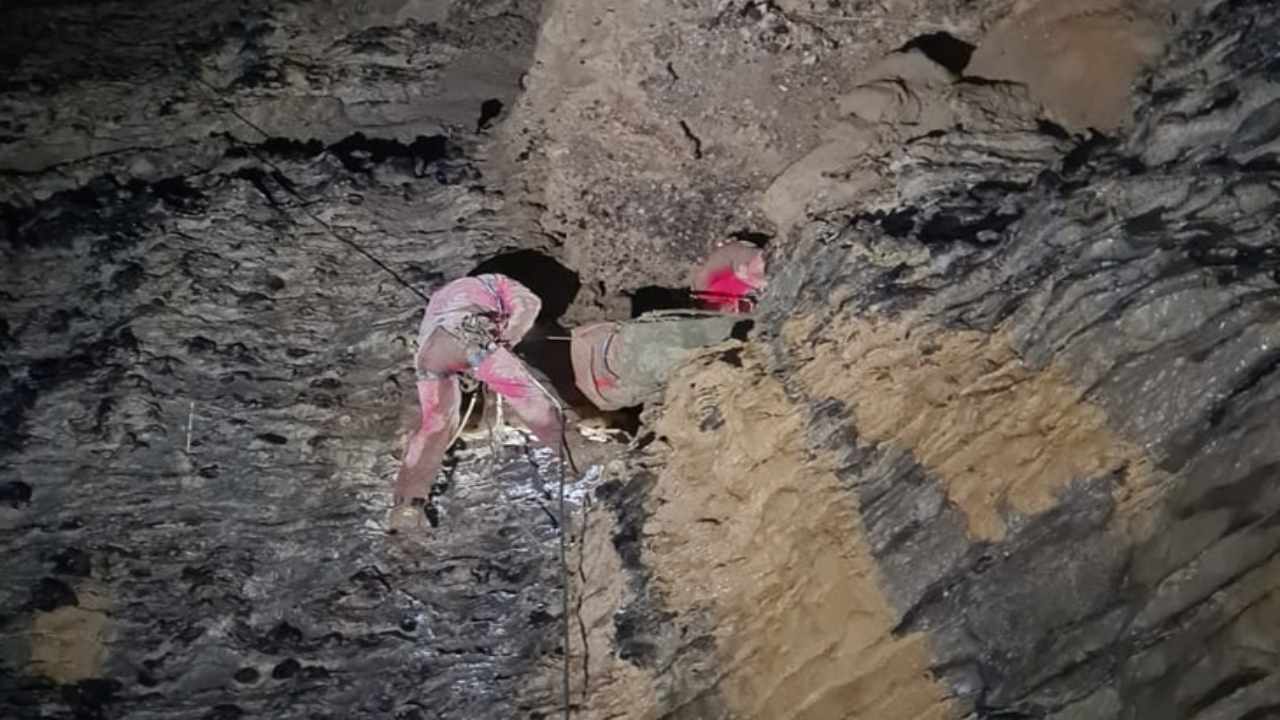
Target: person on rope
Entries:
(468, 329)
(471, 324)
(728, 280)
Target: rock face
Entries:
(649, 130)
(1001, 443)
(202, 385)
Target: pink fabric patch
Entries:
(433, 416)
(513, 389)
(509, 377)
(725, 289)
(416, 445)
(505, 375)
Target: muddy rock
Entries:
(1080, 59)
(1000, 450)
(648, 132)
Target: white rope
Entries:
(465, 418)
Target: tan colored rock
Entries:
(749, 529)
(1079, 59)
(648, 132)
(1003, 437)
(828, 177)
(69, 644)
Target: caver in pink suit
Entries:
(728, 278)
(470, 325)
(622, 364)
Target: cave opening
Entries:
(651, 298)
(554, 283)
(943, 48)
(754, 237)
(489, 110)
(544, 348)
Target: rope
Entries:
(564, 567)
(288, 187)
(562, 454)
(462, 425)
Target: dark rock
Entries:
(286, 669)
(167, 299)
(50, 594)
(73, 561)
(15, 493)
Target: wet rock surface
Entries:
(203, 388)
(1001, 445)
(1039, 369)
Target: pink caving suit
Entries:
(449, 344)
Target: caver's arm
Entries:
(440, 399)
(511, 304)
(518, 306)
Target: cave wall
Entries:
(1003, 445)
(999, 446)
(649, 131)
(203, 388)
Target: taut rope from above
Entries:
(302, 202)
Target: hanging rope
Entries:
(302, 202)
(564, 565)
(563, 456)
